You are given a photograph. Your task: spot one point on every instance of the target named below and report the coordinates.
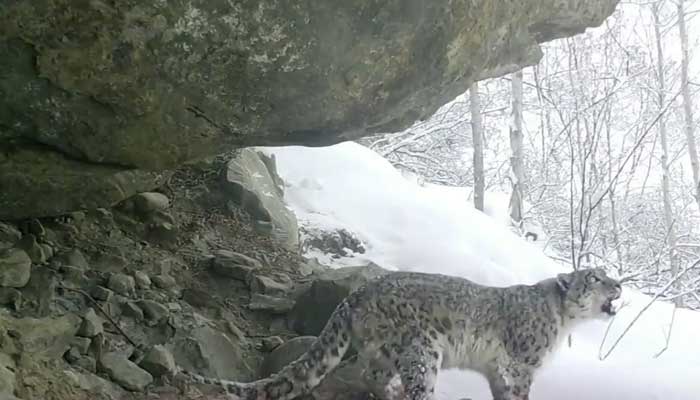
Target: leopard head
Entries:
(588, 293)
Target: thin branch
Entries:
(668, 335)
(646, 307)
(103, 312)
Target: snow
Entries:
(429, 228)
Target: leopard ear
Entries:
(564, 282)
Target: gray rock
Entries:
(233, 329)
(174, 307)
(284, 354)
(252, 87)
(270, 162)
(72, 355)
(271, 304)
(163, 281)
(92, 324)
(250, 185)
(82, 344)
(234, 265)
(72, 273)
(270, 343)
(305, 269)
(267, 285)
(164, 234)
(73, 257)
(345, 383)
(11, 297)
(77, 217)
(315, 305)
(160, 217)
(41, 338)
(143, 281)
(153, 311)
(9, 234)
(7, 376)
(124, 372)
(102, 293)
(130, 309)
(36, 228)
(215, 354)
(122, 284)
(337, 243)
(148, 202)
(87, 363)
(48, 251)
(99, 387)
(15, 268)
(159, 361)
(35, 252)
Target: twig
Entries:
(103, 312)
(607, 331)
(646, 307)
(670, 330)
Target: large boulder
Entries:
(90, 92)
(124, 372)
(316, 304)
(214, 354)
(40, 338)
(251, 185)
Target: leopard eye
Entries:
(593, 279)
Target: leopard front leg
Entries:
(510, 382)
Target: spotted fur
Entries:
(407, 326)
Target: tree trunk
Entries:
(687, 104)
(478, 142)
(516, 145)
(668, 209)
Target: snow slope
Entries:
(430, 228)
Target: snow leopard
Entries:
(407, 326)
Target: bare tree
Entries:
(478, 144)
(516, 145)
(687, 103)
(665, 161)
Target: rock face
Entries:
(252, 186)
(92, 93)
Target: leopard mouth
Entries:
(608, 307)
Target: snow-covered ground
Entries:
(429, 228)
